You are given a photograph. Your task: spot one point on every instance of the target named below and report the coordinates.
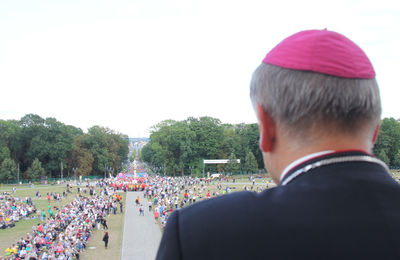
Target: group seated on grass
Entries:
(12, 209)
(65, 234)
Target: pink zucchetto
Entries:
(324, 52)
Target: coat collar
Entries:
(305, 163)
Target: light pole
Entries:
(165, 168)
(107, 169)
(75, 169)
(61, 172)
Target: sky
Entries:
(128, 65)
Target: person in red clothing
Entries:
(40, 228)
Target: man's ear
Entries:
(267, 130)
(376, 132)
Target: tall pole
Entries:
(18, 174)
(61, 171)
(105, 170)
(203, 168)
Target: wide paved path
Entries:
(141, 234)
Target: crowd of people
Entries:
(166, 194)
(12, 209)
(130, 183)
(64, 234)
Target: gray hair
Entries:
(304, 100)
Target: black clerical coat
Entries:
(343, 210)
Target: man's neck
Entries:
(288, 153)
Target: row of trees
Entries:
(42, 147)
(179, 147)
(387, 146)
(135, 153)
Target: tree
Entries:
(8, 170)
(80, 160)
(230, 142)
(208, 136)
(10, 140)
(4, 153)
(180, 146)
(52, 142)
(250, 135)
(250, 163)
(388, 141)
(48, 140)
(382, 155)
(109, 149)
(232, 166)
(396, 161)
(36, 170)
(133, 156)
(147, 153)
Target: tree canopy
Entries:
(387, 146)
(8, 170)
(36, 171)
(178, 146)
(33, 141)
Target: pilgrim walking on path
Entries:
(105, 239)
